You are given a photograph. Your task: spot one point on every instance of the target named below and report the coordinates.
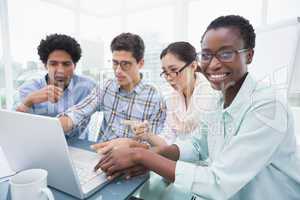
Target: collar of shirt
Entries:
(137, 89)
(176, 101)
(184, 119)
(238, 103)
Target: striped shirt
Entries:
(144, 102)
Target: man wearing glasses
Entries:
(122, 99)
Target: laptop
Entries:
(34, 141)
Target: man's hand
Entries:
(66, 123)
(141, 130)
(49, 93)
(106, 147)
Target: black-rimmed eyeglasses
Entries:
(171, 74)
(224, 56)
(124, 64)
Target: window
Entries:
(155, 35)
(134, 5)
(280, 10)
(26, 33)
(146, 22)
(96, 43)
(202, 13)
(109, 8)
(1, 44)
(2, 80)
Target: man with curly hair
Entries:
(60, 88)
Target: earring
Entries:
(249, 60)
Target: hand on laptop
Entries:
(134, 171)
(129, 173)
(118, 161)
(106, 147)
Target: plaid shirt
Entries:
(143, 103)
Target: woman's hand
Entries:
(135, 171)
(129, 173)
(118, 159)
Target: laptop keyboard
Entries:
(84, 162)
(85, 173)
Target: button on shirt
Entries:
(249, 147)
(78, 88)
(144, 102)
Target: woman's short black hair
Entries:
(129, 42)
(184, 51)
(59, 42)
(235, 21)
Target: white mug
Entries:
(30, 184)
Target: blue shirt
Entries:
(144, 102)
(78, 88)
(246, 151)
